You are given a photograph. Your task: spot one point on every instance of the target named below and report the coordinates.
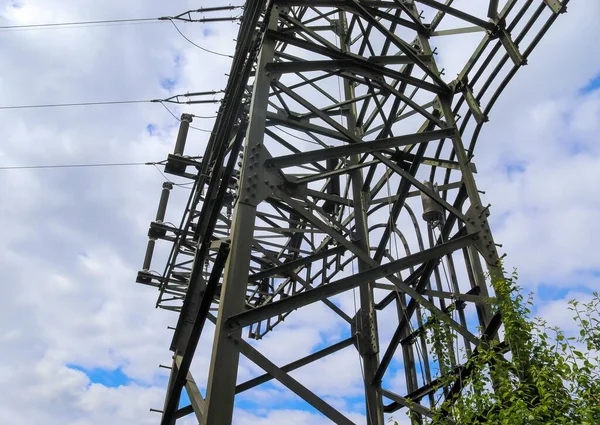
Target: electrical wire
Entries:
(179, 119)
(198, 46)
(102, 22)
(117, 102)
(77, 23)
(61, 105)
(54, 166)
(181, 185)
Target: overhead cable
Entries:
(184, 17)
(54, 166)
(180, 99)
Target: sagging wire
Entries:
(181, 185)
(179, 119)
(197, 45)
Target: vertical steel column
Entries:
(473, 194)
(222, 376)
(467, 177)
(368, 339)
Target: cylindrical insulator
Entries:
(184, 126)
(164, 199)
(432, 211)
(148, 257)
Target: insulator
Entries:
(184, 126)
(162, 204)
(149, 253)
(432, 211)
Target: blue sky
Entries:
(85, 341)
(592, 85)
(109, 378)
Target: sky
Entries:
(81, 343)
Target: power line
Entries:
(77, 23)
(54, 166)
(184, 17)
(173, 99)
(61, 105)
(197, 45)
(179, 119)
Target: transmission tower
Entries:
(341, 163)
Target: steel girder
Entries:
(348, 133)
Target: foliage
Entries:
(536, 375)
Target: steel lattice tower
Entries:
(341, 160)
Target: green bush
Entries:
(537, 375)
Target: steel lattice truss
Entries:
(340, 161)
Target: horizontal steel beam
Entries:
(282, 269)
(328, 290)
(356, 148)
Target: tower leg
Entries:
(225, 355)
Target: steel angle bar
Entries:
(293, 265)
(410, 280)
(325, 117)
(414, 105)
(280, 119)
(328, 174)
(293, 385)
(450, 208)
(401, 44)
(493, 9)
(356, 148)
(307, 286)
(193, 392)
(410, 404)
(184, 411)
(328, 290)
(180, 373)
(359, 62)
(413, 24)
(458, 14)
(296, 364)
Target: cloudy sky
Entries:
(80, 342)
